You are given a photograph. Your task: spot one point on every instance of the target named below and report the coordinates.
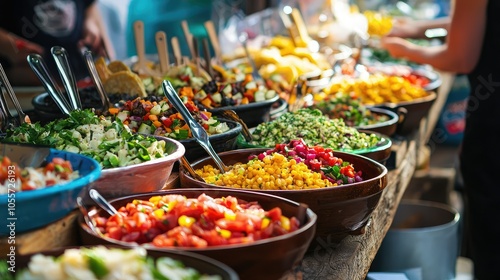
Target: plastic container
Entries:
(451, 122)
(423, 237)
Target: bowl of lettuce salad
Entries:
(114, 262)
(130, 162)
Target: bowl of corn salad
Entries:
(260, 236)
(343, 188)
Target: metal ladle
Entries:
(199, 133)
(102, 202)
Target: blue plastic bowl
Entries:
(37, 208)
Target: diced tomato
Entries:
(131, 236)
(115, 233)
(274, 214)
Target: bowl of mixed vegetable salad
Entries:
(156, 116)
(357, 115)
(39, 194)
(342, 188)
(260, 236)
(115, 262)
(317, 129)
(130, 162)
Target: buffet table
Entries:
(348, 259)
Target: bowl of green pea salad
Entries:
(317, 129)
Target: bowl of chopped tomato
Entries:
(40, 185)
(342, 188)
(260, 236)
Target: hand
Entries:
(92, 37)
(397, 47)
(15, 49)
(405, 28)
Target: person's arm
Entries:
(94, 34)
(409, 28)
(461, 51)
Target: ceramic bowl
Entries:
(253, 113)
(268, 258)
(28, 210)
(381, 152)
(415, 111)
(138, 178)
(225, 141)
(341, 210)
(388, 127)
(202, 264)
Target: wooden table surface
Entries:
(349, 258)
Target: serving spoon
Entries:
(89, 60)
(38, 66)
(69, 81)
(86, 217)
(199, 133)
(102, 202)
(22, 117)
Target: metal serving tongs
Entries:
(38, 65)
(232, 115)
(199, 133)
(21, 116)
(69, 81)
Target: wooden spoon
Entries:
(177, 50)
(141, 66)
(214, 40)
(162, 46)
(189, 38)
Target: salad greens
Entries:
(109, 142)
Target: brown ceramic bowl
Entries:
(264, 259)
(416, 110)
(341, 210)
(139, 178)
(380, 152)
(202, 264)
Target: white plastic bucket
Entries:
(423, 235)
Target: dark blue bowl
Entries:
(37, 208)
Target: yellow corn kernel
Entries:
(158, 213)
(265, 223)
(224, 233)
(171, 205)
(285, 223)
(186, 221)
(155, 199)
(230, 215)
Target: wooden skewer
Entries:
(189, 37)
(162, 46)
(300, 25)
(196, 59)
(177, 51)
(289, 26)
(206, 54)
(214, 40)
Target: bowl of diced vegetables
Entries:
(251, 100)
(260, 236)
(156, 116)
(116, 262)
(355, 114)
(40, 185)
(342, 188)
(130, 162)
(317, 129)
